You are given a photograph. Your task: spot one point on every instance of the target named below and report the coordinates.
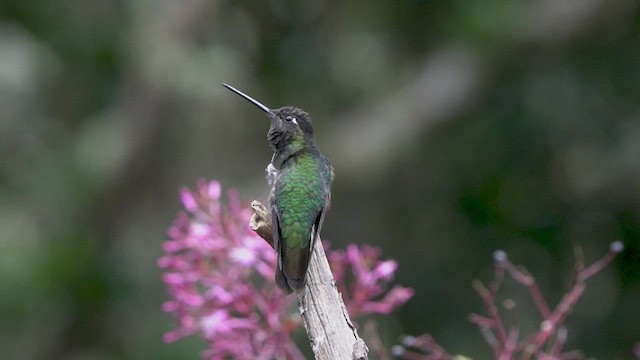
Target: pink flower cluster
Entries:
(219, 274)
(366, 294)
(216, 270)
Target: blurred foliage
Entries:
(456, 128)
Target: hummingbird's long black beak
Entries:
(252, 100)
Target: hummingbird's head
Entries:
(292, 120)
(290, 126)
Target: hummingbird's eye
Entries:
(292, 119)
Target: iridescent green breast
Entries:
(301, 193)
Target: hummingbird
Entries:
(300, 178)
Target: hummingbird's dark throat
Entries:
(250, 99)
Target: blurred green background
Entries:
(456, 128)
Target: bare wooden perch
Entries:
(331, 333)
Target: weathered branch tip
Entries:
(261, 221)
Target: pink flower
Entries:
(396, 297)
(366, 295)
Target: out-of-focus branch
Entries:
(440, 90)
(426, 344)
(455, 74)
(546, 343)
(331, 333)
(493, 328)
(372, 334)
(551, 323)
